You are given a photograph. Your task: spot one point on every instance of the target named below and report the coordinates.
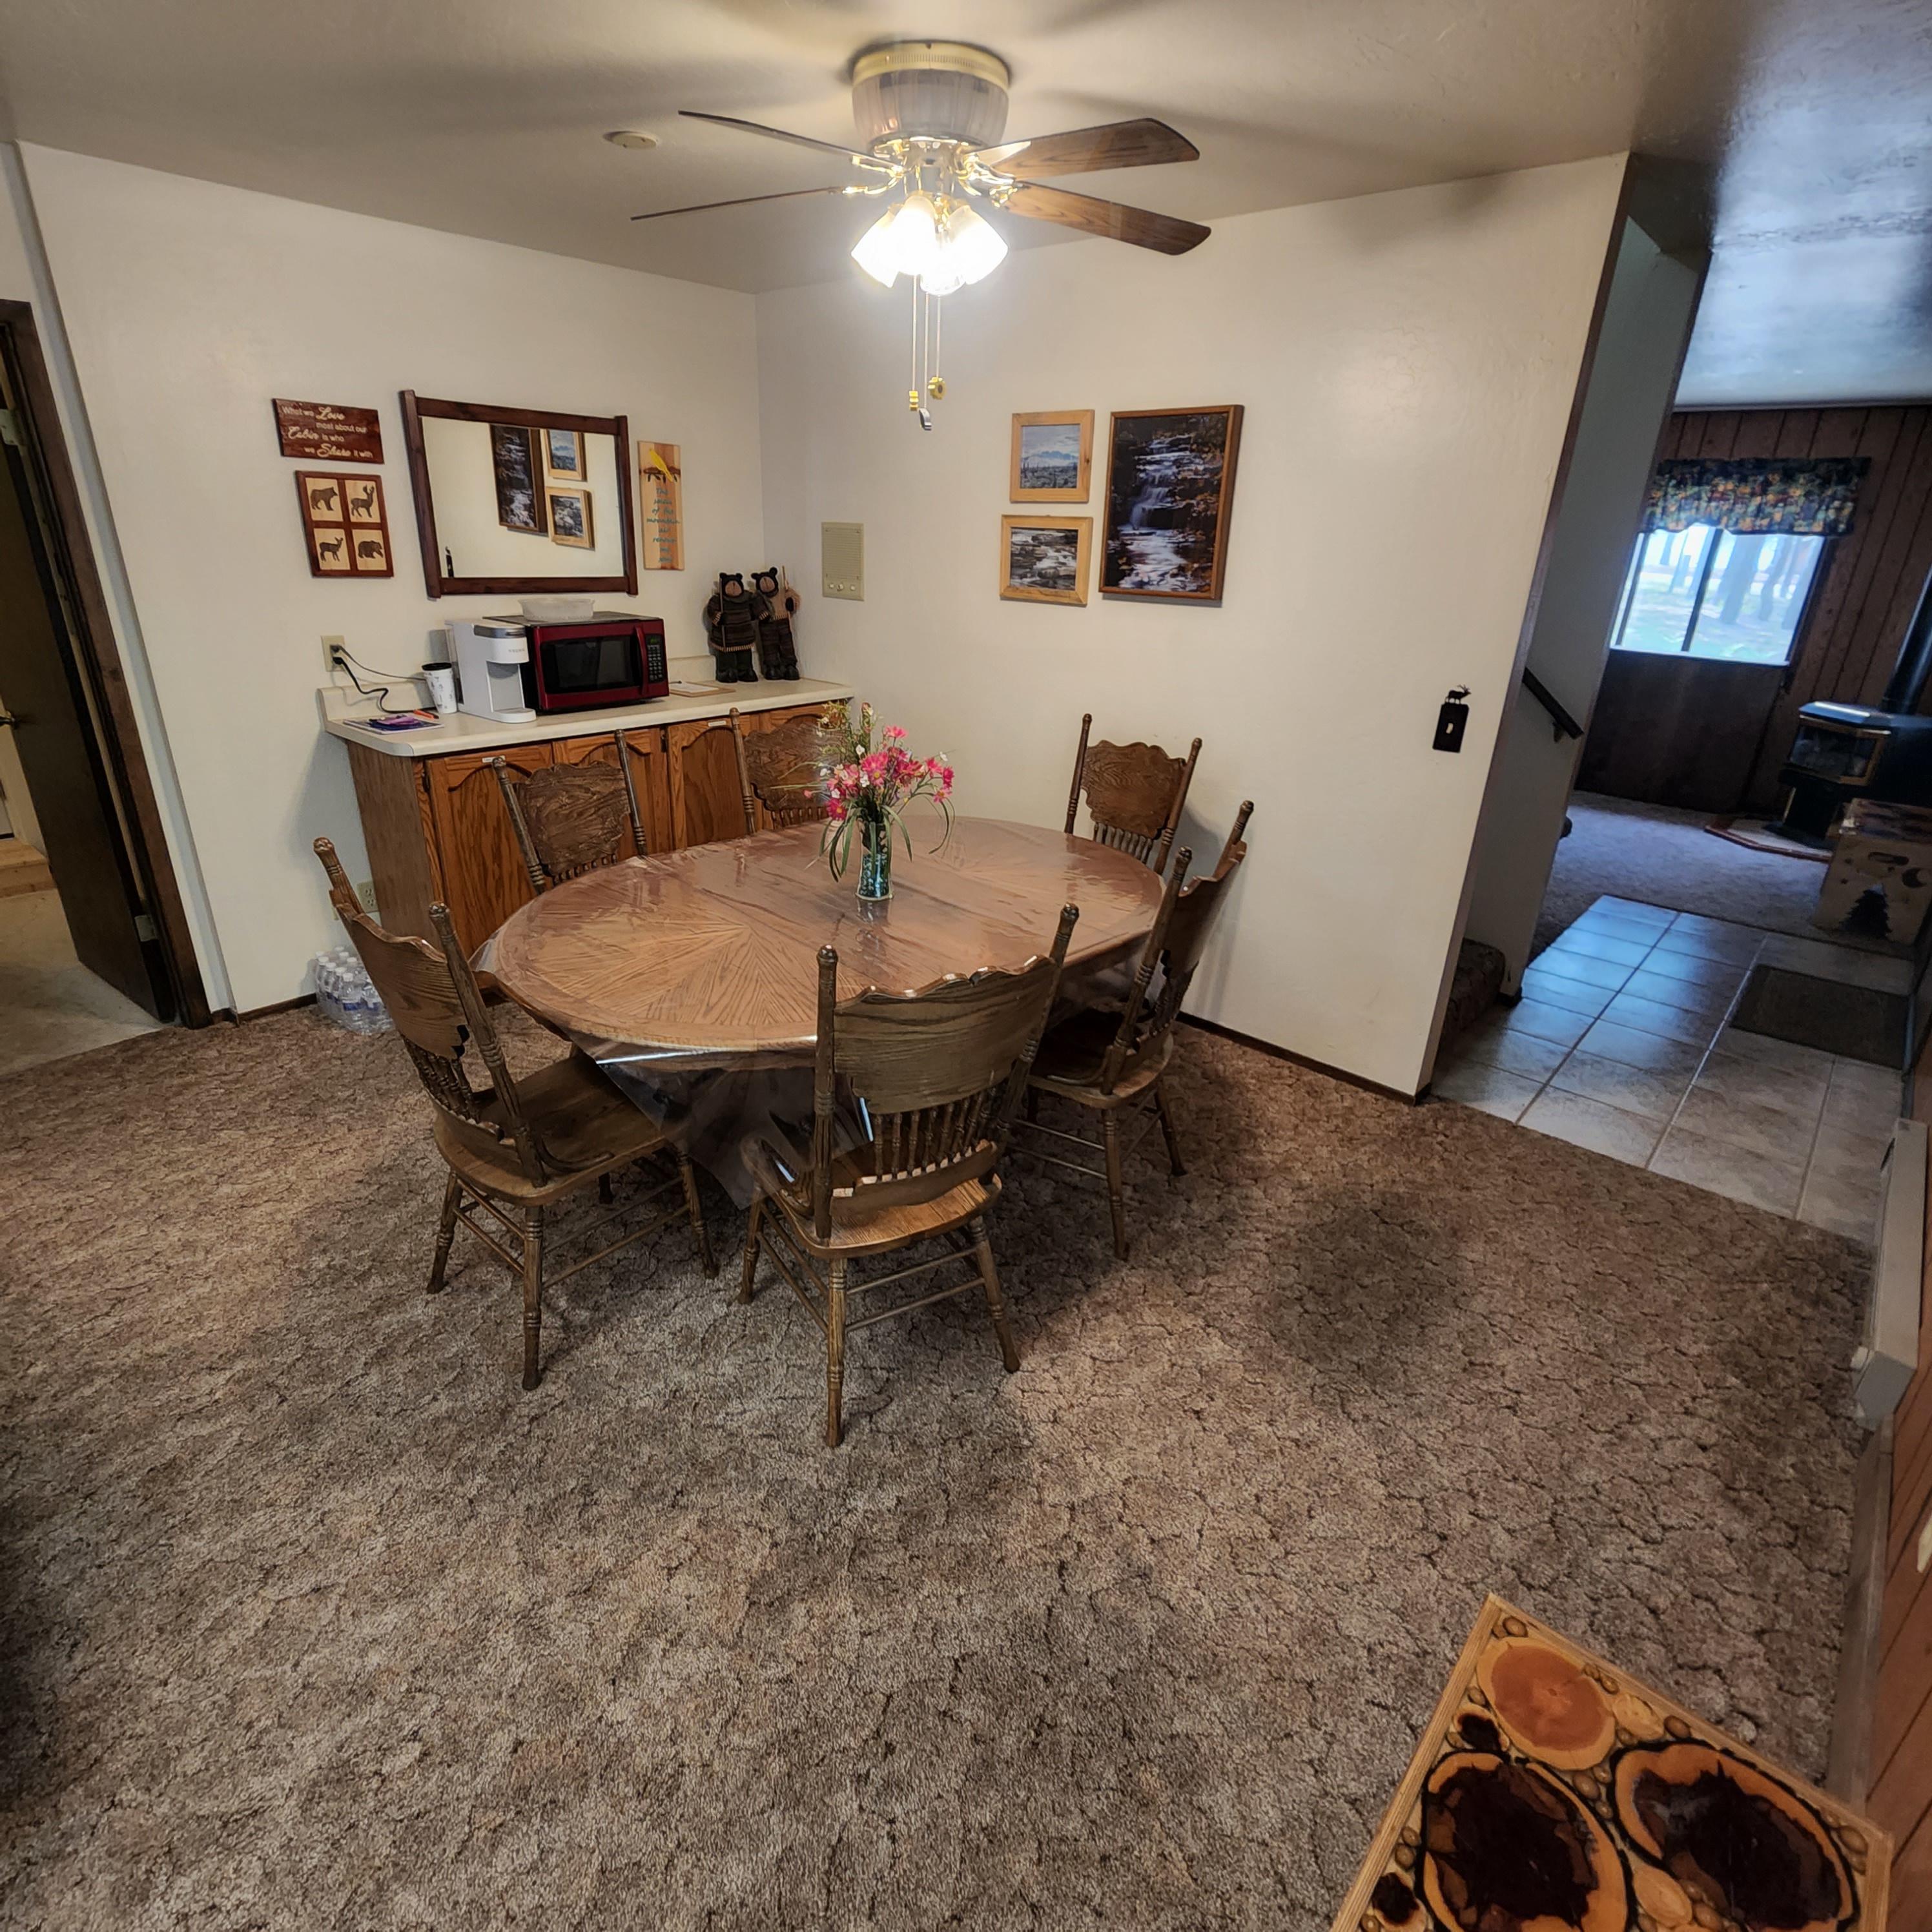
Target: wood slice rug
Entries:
(1551, 1791)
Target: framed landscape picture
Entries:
(563, 454)
(570, 519)
(514, 458)
(1053, 457)
(1043, 560)
(1170, 486)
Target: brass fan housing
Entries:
(929, 91)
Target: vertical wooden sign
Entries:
(661, 482)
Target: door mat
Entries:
(1756, 834)
(1855, 1022)
(1551, 1789)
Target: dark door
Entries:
(40, 685)
(1710, 622)
(1678, 730)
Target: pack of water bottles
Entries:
(346, 993)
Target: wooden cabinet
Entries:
(436, 827)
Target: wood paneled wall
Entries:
(1860, 611)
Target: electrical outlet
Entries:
(330, 646)
(365, 891)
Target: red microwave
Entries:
(613, 659)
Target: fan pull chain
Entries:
(927, 384)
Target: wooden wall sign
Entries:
(328, 432)
(345, 523)
(661, 479)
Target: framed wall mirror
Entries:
(510, 501)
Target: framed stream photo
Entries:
(570, 518)
(1170, 486)
(515, 457)
(1043, 560)
(1053, 457)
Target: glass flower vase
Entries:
(875, 860)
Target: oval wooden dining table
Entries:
(708, 957)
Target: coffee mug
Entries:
(442, 681)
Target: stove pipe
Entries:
(1915, 658)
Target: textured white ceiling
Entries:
(485, 117)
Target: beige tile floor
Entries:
(1619, 1044)
(50, 1004)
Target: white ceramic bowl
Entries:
(559, 610)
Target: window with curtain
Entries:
(1730, 552)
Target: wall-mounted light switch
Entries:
(1452, 721)
(842, 552)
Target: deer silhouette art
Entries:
(364, 503)
(330, 550)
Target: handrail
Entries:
(1567, 726)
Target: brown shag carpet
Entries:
(1664, 857)
(312, 1618)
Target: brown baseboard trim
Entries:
(1848, 1770)
(1301, 1059)
(234, 1019)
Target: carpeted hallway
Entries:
(312, 1618)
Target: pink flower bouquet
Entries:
(870, 777)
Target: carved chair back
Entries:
(342, 895)
(1180, 937)
(433, 998)
(1134, 794)
(783, 769)
(571, 819)
(933, 1075)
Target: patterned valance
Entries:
(1756, 496)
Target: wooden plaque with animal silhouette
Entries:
(347, 524)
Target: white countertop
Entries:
(341, 708)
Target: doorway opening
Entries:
(94, 941)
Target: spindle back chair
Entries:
(927, 1083)
(1134, 794)
(572, 819)
(782, 769)
(515, 1147)
(1111, 1062)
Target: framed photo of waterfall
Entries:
(1170, 487)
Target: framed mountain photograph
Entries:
(1170, 486)
(1053, 457)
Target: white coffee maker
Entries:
(491, 655)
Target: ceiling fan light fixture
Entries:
(972, 248)
(904, 241)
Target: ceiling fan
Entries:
(931, 115)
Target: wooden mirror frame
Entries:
(416, 407)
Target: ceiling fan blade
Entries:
(1118, 223)
(739, 201)
(774, 134)
(1120, 144)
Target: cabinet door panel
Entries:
(482, 872)
(650, 774)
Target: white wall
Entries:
(1407, 362)
(1647, 320)
(189, 306)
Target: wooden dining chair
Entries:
(571, 819)
(1111, 1062)
(783, 769)
(516, 1148)
(933, 1078)
(1134, 794)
